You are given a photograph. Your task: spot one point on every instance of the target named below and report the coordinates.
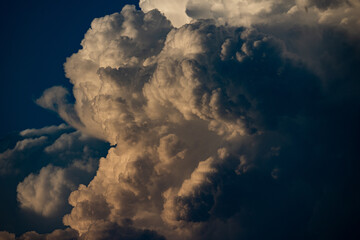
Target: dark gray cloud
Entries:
(66, 234)
(99, 230)
(325, 4)
(301, 141)
(111, 231)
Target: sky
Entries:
(191, 119)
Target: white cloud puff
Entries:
(45, 193)
(251, 12)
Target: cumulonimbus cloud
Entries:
(221, 129)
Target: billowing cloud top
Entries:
(239, 122)
(250, 12)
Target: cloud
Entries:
(99, 230)
(46, 164)
(173, 10)
(53, 144)
(66, 234)
(219, 109)
(7, 236)
(55, 99)
(46, 193)
(180, 205)
(129, 44)
(108, 231)
(43, 131)
(325, 4)
(250, 13)
(241, 124)
(9, 157)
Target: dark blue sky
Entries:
(36, 38)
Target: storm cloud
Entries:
(227, 120)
